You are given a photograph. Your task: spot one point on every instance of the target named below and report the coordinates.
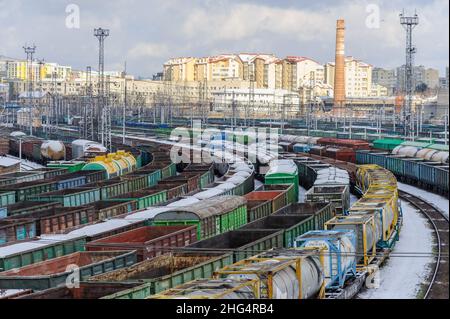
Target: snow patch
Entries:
(401, 276)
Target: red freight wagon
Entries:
(353, 144)
(341, 154)
(149, 241)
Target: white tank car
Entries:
(53, 150)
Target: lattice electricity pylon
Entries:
(409, 23)
(104, 111)
(88, 128)
(30, 50)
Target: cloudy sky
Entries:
(146, 33)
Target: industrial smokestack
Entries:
(339, 71)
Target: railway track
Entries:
(437, 286)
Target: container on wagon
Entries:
(149, 241)
(367, 234)
(213, 289)
(212, 216)
(70, 197)
(336, 194)
(282, 273)
(36, 250)
(55, 272)
(339, 251)
(242, 243)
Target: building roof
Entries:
(8, 162)
(298, 59)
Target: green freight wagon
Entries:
(387, 144)
(33, 251)
(283, 172)
(7, 198)
(70, 197)
(71, 166)
(243, 243)
(136, 181)
(291, 225)
(55, 272)
(110, 188)
(212, 216)
(322, 212)
(170, 170)
(29, 207)
(145, 198)
(164, 272)
(26, 190)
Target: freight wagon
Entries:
(149, 241)
(164, 272)
(86, 290)
(27, 190)
(50, 172)
(26, 207)
(242, 243)
(322, 212)
(33, 251)
(20, 177)
(426, 174)
(110, 188)
(70, 166)
(70, 197)
(56, 272)
(7, 198)
(13, 230)
(211, 216)
(145, 198)
(109, 209)
(263, 203)
(291, 226)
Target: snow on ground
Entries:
(401, 276)
(301, 194)
(353, 199)
(437, 200)
(258, 184)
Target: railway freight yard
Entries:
(212, 187)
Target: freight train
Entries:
(323, 260)
(239, 243)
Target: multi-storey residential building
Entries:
(385, 78)
(358, 77)
(19, 70)
(428, 76)
(179, 69)
(225, 67)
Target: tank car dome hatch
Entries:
(102, 163)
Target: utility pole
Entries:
(104, 110)
(29, 51)
(408, 23)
